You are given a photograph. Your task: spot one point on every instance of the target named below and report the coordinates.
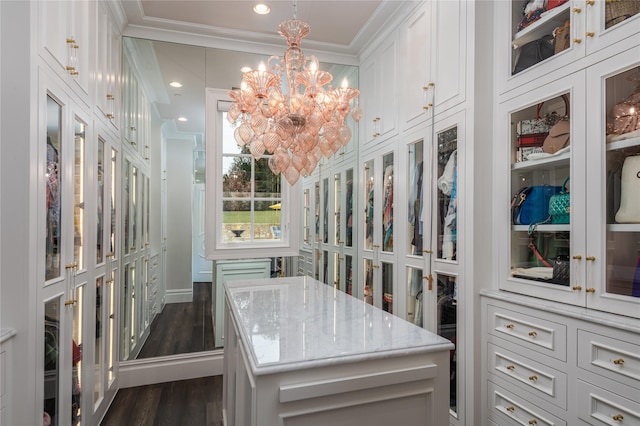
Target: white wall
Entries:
(18, 288)
(179, 162)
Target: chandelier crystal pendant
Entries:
(297, 126)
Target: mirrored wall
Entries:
(167, 295)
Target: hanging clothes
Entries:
(447, 183)
(387, 212)
(415, 208)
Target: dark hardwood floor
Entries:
(182, 327)
(195, 402)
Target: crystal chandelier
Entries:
(296, 126)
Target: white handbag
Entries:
(629, 211)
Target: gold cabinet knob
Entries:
(533, 378)
(577, 257)
(577, 40)
(618, 361)
(427, 251)
(591, 258)
(426, 107)
(590, 290)
(533, 422)
(510, 326)
(510, 409)
(590, 33)
(576, 288)
(533, 334)
(590, 2)
(576, 10)
(618, 417)
(510, 367)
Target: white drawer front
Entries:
(533, 376)
(597, 406)
(507, 406)
(613, 358)
(528, 331)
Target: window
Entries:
(250, 212)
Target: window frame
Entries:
(215, 247)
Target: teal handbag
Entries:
(560, 205)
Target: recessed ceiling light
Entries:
(175, 84)
(183, 119)
(245, 69)
(261, 8)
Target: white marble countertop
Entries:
(298, 322)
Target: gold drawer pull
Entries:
(591, 258)
(590, 33)
(70, 302)
(533, 378)
(618, 361)
(577, 40)
(510, 326)
(590, 2)
(533, 422)
(510, 408)
(618, 417)
(533, 334)
(576, 10)
(426, 107)
(577, 257)
(427, 251)
(576, 288)
(510, 367)
(590, 290)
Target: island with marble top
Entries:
(299, 352)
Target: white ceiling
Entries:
(342, 26)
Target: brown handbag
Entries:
(563, 36)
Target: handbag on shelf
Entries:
(559, 136)
(555, 3)
(561, 271)
(562, 37)
(533, 52)
(560, 205)
(533, 131)
(530, 205)
(625, 115)
(629, 211)
(616, 11)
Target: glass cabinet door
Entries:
(387, 203)
(53, 185)
(369, 203)
(612, 275)
(447, 201)
(546, 209)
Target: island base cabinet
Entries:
(378, 393)
(413, 387)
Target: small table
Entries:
(299, 352)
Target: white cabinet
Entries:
(378, 88)
(378, 254)
(108, 61)
(434, 60)
(596, 29)
(553, 364)
(299, 353)
(65, 41)
(602, 252)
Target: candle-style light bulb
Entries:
(261, 67)
(345, 83)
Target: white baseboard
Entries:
(172, 368)
(178, 296)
